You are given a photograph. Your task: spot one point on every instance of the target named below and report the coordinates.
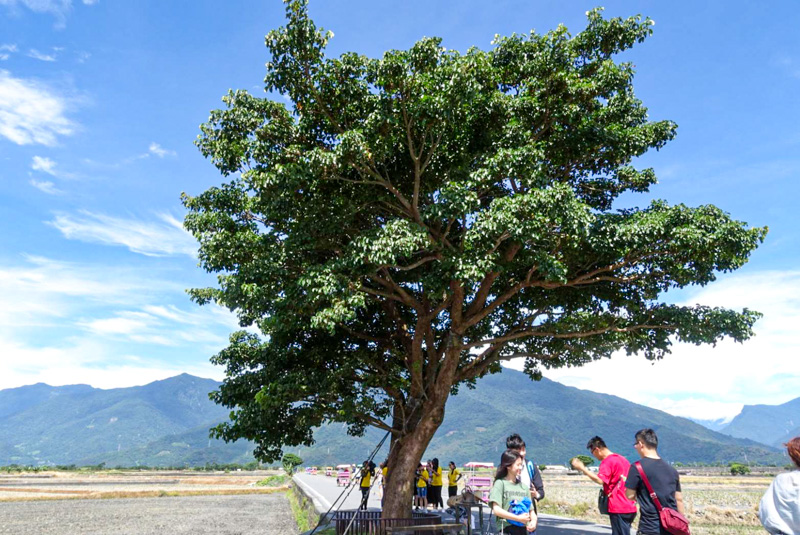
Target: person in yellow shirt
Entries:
(452, 480)
(384, 472)
(421, 497)
(435, 494)
(367, 471)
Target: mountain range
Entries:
(770, 424)
(165, 423)
(78, 424)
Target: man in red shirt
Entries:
(612, 475)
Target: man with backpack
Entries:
(612, 475)
(531, 476)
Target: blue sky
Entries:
(100, 102)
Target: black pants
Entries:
(364, 497)
(452, 490)
(511, 529)
(621, 523)
(435, 497)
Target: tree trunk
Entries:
(405, 455)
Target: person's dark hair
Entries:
(435, 464)
(451, 462)
(595, 442)
(515, 442)
(507, 459)
(647, 437)
(793, 449)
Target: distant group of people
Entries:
(650, 481)
(428, 483)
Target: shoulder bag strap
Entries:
(649, 487)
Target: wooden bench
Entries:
(410, 530)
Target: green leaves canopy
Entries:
(413, 220)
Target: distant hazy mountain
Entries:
(166, 423)
(714, 425)
(769, 424)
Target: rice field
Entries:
(716, 505)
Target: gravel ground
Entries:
(255, 514)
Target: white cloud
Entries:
(46, 165)
(117, 325)
(166, 237)
(156, 149)
(713, 382)
(40, 290)
(35, 54)
(58, 8)
(84, 361)
(46, 186)
(90, 2)
(31, 113)
(167, 325)
(6, 51)
(65, 323)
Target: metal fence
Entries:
(371, 523)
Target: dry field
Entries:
(716, 505)
(124, 484)
(142, 503)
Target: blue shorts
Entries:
(422, 492)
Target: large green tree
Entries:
(407, 223)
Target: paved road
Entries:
(324, 492)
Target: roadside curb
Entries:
(320, 503)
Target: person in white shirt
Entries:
(779, 510)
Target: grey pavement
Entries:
(324, 492)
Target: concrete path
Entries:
(324, 492)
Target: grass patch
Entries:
(274, 481)
(305, 515)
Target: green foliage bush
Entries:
(585, 459)
(738, 469)
(290, 461)
(274, 481)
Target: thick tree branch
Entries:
(526, 333)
